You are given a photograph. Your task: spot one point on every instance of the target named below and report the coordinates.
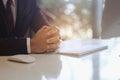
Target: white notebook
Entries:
(81, 47)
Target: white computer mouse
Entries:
(22, 58)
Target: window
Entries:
(72, 16)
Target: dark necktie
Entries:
(9, 15)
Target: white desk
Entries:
(60, 67)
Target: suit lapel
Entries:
(24, 16)
(3, 26)
(2, 8)
(19, 27)
(25, 12)
(20, 11)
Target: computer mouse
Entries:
(22, 58)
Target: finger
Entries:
(51, 50)
(52, 27)
(52, 32)
(54, 40)
(44, 27)
(52, 46)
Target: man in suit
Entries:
(30, 33)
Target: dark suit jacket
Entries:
(28, 19)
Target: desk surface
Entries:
(61, 67)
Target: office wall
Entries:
(111, 19)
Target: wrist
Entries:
(28, 45)
(34, 47)
(32, 44)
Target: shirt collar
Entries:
(5, 2)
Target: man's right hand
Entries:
(45, 40)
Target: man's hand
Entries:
(45, 40)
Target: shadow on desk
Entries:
(46, 67)
(50, 66)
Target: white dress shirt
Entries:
(14, 9)
(13, 6)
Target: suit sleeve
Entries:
(13, 46)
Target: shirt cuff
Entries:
(28, 45)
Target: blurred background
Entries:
(87, 19)
(75, 18)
